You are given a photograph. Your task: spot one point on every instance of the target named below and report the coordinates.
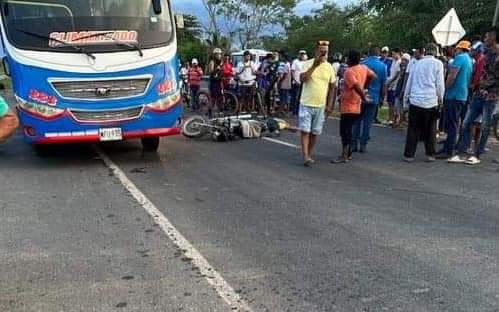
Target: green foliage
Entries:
(396, 23)
(190, 43)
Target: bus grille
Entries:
(107, 116)
(101, 89)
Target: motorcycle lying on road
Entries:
(227, 128)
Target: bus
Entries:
(93, 70)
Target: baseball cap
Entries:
(195, 61)
(464, 45)
(406, 56)
(217, 51)
(385, 49)
(302, 52)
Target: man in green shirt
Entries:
(8, 121)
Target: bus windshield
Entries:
(96, 25)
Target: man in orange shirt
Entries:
(356, 79)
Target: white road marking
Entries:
(215, 279)
(280, 142)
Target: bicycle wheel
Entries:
(230, 102)
(259, 108)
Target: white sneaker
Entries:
(456, 160)
(472, 161)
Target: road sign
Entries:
(449, 30)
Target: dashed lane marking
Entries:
(280, 142)
(212, 276)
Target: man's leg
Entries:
(305, 126)
(453, 113)
(473, 113)
(367, 122)
(8, 125)
(305, 145)
(413, 132)
(317, 124)
(429, 124)
(488, 111)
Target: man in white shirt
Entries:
(391, 84)
(424, 93)
(246, 74)
(296, 71)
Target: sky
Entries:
(195, 7)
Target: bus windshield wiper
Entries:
(107, 34)
(64, 43)
(134, 46)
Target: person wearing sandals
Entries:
(356, 79)
(317, 99)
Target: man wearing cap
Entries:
(8, 121)
(388, 61)
(424, 92)
(296, 70)
(484, 100)
(246, 74)
(457, 85)
(318, 95)
(195, 74)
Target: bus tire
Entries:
(150, 144)
(43, 151)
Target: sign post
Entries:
(449, 30)
(496, 14)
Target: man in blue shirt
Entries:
(362, 127)
(459, 76)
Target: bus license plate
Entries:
(110, 134)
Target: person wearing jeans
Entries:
(458, 81)
(375, 91)
(484, 100)
(479, 106)
(424, 92)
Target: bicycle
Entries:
(228, 104)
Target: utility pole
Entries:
(496, 14)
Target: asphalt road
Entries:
(372, 235)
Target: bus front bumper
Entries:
(65, 129)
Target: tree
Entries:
(245, 21)
(190, 42)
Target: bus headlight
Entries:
(166, 87)
(40, 110)
(164, 104)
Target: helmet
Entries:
(217, 51)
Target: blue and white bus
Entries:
(92, 70)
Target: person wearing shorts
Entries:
(317, 99)
(8, 121)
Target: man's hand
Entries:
(484, 93)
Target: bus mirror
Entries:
(156, 5)
(180, 21)
(6, 68)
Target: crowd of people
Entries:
(455, 92)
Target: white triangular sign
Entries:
(449, 30)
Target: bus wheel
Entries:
(43, 151)
(150, 144)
